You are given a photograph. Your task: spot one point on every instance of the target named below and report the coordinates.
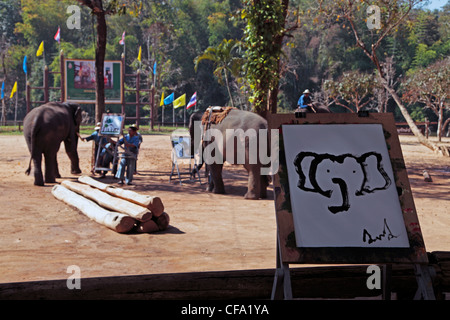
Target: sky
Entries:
(436, 4)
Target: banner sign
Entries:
(80, 81)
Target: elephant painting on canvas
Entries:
(324, 173)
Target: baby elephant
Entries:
(44, 128)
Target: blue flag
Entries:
(25, 65)
(154, 68)
(3, 89)
(169, 99)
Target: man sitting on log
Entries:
(128, 158)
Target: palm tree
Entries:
(225, 59)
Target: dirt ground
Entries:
(42, 236)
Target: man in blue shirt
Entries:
(128, 159)
(304, 103)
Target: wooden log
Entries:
(148, 227)
(116, 221)
(154, 204)
(427, 176)
(162, 221)
(109, 202)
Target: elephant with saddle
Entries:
(235, 119)
(44, 128)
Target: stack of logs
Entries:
(118, 209)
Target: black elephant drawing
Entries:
(358, 175)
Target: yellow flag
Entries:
(180, 101)
(140, 53)
(161, 104)
(40, 49)
(14, 90)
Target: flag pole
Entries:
(15, 108)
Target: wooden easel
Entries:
(287, 250)
(119, 120)
(184, 156)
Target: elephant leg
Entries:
(71, 150)
(37, 163)
(57, 174)
(216, 175)
(254, 181)
(264, 181)
(50, 167)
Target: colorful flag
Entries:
(154, 68)
(180, 101)
(122, 41)
(169, 99)
(3, 90)
(25, 65)
(40, 49)
(162, 100)
(193, 101)
(14, 90)
(57, 36)
(140, 53)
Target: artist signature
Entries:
(367, 237)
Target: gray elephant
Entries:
(44, 128)
(235, 119)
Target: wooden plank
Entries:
(327, 282)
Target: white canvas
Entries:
(342, 187)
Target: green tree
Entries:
(264, 31)
(353, 91)
(226, 62)
(392, 14)
(430, 87)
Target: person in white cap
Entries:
(304, 103)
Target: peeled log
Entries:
(154, 204)
(116, 221)
(109, 202)
(162, 221)
(148, 227)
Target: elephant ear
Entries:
(375, 178)
(76, 111)
(306, 166)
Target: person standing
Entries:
(127, 163)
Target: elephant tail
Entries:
(27, 172)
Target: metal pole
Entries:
(63, 75)
(138, 87)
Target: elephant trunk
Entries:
(344, 193)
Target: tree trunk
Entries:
(427, 143)
(228, 86)
(99, 65)
(440, 122)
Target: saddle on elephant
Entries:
(215, 115)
